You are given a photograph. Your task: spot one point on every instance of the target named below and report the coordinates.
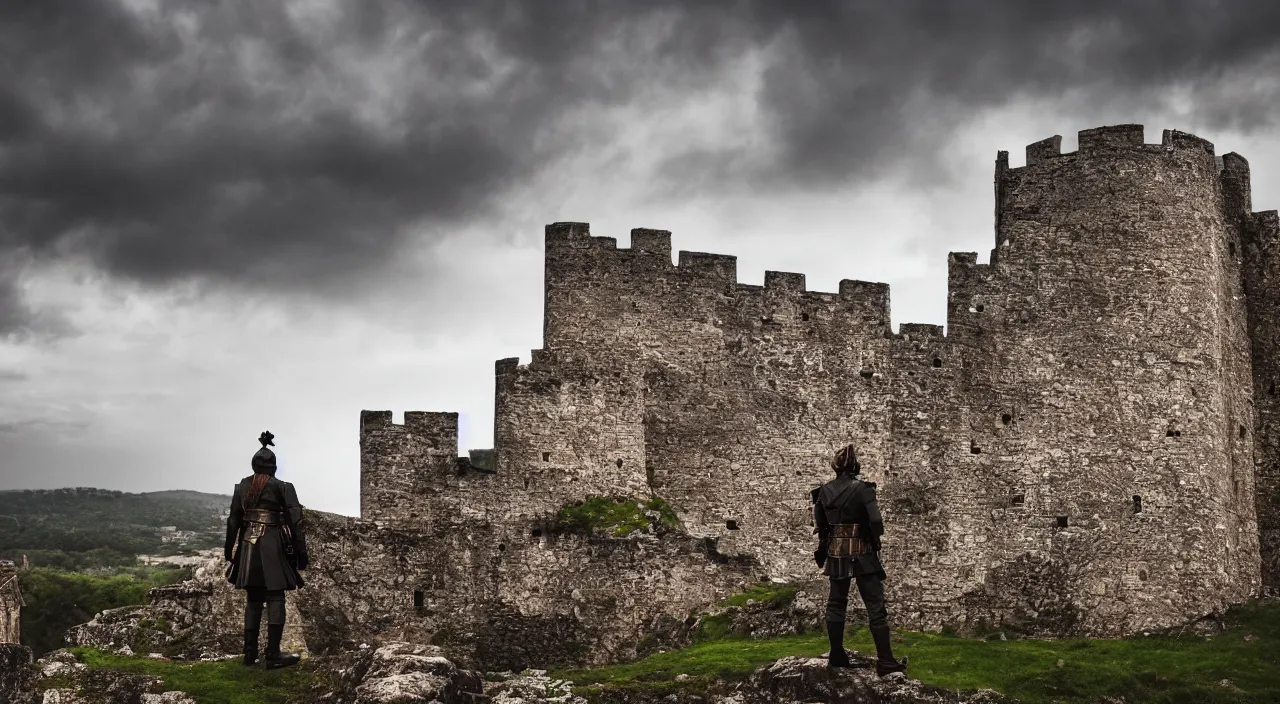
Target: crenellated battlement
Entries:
(1104, 141)
(434, 424)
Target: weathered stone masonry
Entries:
(1089, 449)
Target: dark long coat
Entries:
(847, 499)
(265, 565)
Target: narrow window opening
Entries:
(1169, 433)
(536, 532)
(773, 384)
(1177, 433)
(546, 457)
(418, 599)
(1142, 575)
(937, 361)
(866, 373)
(619, 463)
(502, 548)
(1271, 390)
(1019, 499)
(1006, 419)
(979, 307)
(1242, 431)
(1231, 247)
(1235, 486)
(1137, 504)
(804, 316)
(526, 482)
(731, 525)
(1062, 521)
(974, 449)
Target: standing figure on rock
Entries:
(265, 551)
(847, 521)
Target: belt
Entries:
(263, 516)
(846, 541)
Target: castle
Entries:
(1088, 449)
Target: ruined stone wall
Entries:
(10, 607)
(498, 596)
(1075, 455)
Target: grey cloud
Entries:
(230, 142)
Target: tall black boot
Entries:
(274, 658)
(252, 622)
(250, 647)
(885, 662)
(838, 657)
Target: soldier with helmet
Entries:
(847, 521)
(265, 550)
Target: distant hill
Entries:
(86, 528)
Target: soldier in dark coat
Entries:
(847, 521)
(265, 551)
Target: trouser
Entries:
(255, 600)
(870, 587)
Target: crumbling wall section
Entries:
(499, 596)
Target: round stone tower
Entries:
(1109, 375)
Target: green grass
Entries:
(729, 658)
(1141, 669)
(227, 682)
(618, 516)
(775, 595)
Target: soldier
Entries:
(265, 550)
(847, 521)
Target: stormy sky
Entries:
(223, 217)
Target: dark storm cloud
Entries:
(233, 141)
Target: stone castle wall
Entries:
(1079, 453)
(499, 596)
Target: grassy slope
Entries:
(1143, 669)
(227, 682)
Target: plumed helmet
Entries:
(266, 438)
(264, 462)
(846, 460)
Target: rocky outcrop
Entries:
(201, 618)
(406, 673)
(59, 678)
(396, 673)
(17, 674)
(786, 681)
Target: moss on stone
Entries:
(225, 682)
(769, 593)
(618, 516)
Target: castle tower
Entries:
(1257, 247)
(1109, 382)
(401, 465)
